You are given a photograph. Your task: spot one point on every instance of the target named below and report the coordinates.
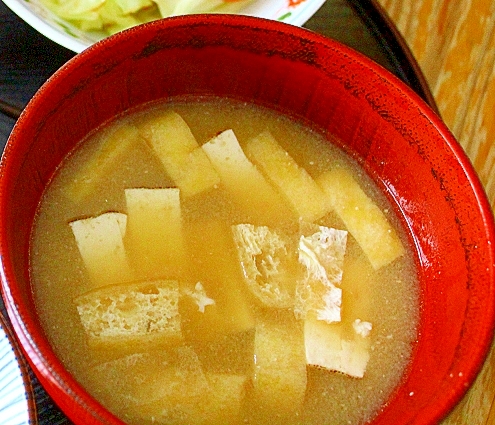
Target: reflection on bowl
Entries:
(381, 123)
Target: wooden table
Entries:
(27, 59)
(454, 43)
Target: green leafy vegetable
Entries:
(111, 16)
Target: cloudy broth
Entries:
(238, 349)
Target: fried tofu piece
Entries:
(245, 183)
(327, 347)
(225, 398)
(100, 243)
(362, 217)
(154, 388)
(184, 402)
(269, 264)
(154, 238)
(212, 251)
(322, 255)
(131, 317)
(358, 286)
(345, 346)
(280, 377)
(109, 155)
(176, 147)
(293, 181)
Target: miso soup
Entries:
(207, 261)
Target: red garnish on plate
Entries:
(293, 3)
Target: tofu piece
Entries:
(245, 183)
(213, 261)
(127, 380)
(176, 147)
(327, 347)
(225, 398)
(199, 296)
(363, 218)
(280, 376)
(359, 284)
(100, 243)
(154, 237)
(108, 156)
(131, 317)
(186, 402)
(163, 385)
(344, 346)
(147, 379)
(322, 256)
(269, 264)
(173, 388)
(293, 181)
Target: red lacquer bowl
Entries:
(379, 120)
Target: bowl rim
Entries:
(31, 345)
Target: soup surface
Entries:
(213, 262)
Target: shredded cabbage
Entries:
(111, 16)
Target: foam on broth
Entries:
(58, 276)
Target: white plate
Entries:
(295, 12)
(16, 396)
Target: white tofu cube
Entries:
(100, 243)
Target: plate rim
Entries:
(23, 366)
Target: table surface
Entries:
(27, 59)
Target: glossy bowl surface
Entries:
(382, 123)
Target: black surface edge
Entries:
(395, 47)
